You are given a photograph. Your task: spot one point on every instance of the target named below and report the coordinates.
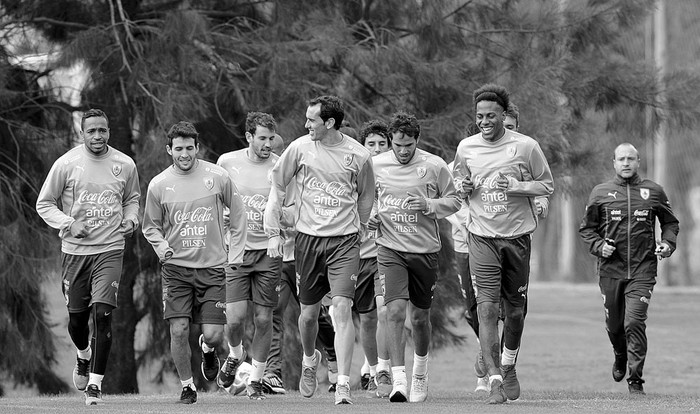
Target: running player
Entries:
(336, 184)
(91, 195)
(414, 189)
(500, 173)
(257, 278)
(184, 222)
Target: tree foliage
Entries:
(568, 66)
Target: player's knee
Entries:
(263, 318)
(179, 329)
(420, 317)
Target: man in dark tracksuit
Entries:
(619, 228)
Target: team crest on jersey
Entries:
(421, 171)
(116, 169)
(209, 183)
(644, 192)
(510, 151)
(347, 159)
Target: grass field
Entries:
(564, 366)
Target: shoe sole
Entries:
(343, 401)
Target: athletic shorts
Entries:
(367, 289)
(501, 268)
(326, 264)
(256, 279)
(289, 278)
(198, 294)
(410, 276)
(89, 279)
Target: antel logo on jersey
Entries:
(198, 215)
(102, 198)
(256, 201)
(333, 188)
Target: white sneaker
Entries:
(419, 388)
(482, 384)
(399, 391)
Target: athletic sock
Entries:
(343, 379)
(508, 356)
(399, 373)
(309, 361)
(372, 371)
(420, 364)
(495, 377)
(188, 383)
(206, 348)
(258, 370)
(95, 379)
(384, 365)
(236, 352)
(365, 367)
(85, 353)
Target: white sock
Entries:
(236, 352)
(495, 377)
(206, 348)
(399, 373)
(365, 367)
(85, 353)
(508, 356)
(372, 371)
(309, 361)
(420, 364)
(258, 370)
(95, 379)
(188, 383)
(343, 379)
(384, 365)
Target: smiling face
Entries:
(489, 119)
(184, 152)
(260, 144)
(317, 128)
(376, 144)
(95, 134)
(404, 146)
(626, 161)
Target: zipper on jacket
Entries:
(629, 232)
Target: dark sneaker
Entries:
(364, 381)
(619, 367)
(342, 394)
(227, 373)
(497, 395)
(81, 373)
(273, 384)
(210, 362)
(255, 390)
(188, 396)
(308, 381)
(510, 382)
(372, 387)
(384, 386)
(332, 386)
(93, 395)
(635, 387)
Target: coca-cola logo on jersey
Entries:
(398, 202)
(333, 188)
(256, 201)
(101, 198)
(198, 215)
(489, 183)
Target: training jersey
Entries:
(98, 190)
(252, 178)
(185, 212)
(335, 183)
(493, 212)
(424, 175)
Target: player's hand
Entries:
(538, 206)
(467, 186)
(663, 249)
(127, 227)
(416, 202)
(373, 223)
(168, 255)
(608, 249)
(502, 182)
(78, 229)
(274, 246)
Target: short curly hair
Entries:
(404, 123)
(183, 129)
(375, 126)
(493, 93)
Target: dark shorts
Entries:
(367, 286)
(256, 279)
(89, 279)
(410, 276)
(289, 278)
(326, 264)
(501, 268)
(198, 294)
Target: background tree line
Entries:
(577, 71)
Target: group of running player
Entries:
(338, 224)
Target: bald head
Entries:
(278, 144)
(626, 160)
